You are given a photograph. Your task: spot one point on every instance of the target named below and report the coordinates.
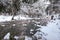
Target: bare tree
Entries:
(15, 6)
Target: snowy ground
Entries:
(49, 32)
(52, 30)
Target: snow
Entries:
(38, 35)
(21, 17)
(8, 18)
(16, 37)
(7, 36)
(28, 38)
(5, 18)
(18, 17)
(31, 30)
(52, 30)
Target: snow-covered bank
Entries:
(8, 18)
(52, 30)
(17, 17)
(5, 18)
(21, 17)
